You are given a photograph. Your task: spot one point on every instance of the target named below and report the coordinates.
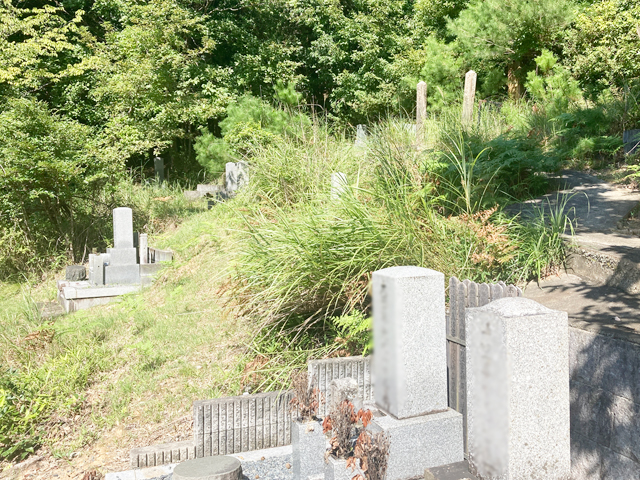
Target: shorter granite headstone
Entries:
(143, 248)
(342, 389)
(518, 391)
(421, 108)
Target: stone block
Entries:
(344, 389)
(309, 445)
(339, 184)
(410, 364)
(122, 227)
(336, 469)
(75, 273)
(122, 256)
(122, 275)
(143, 248)
(209, 468)
(192, 194)
(205, 189)
(422, 442)
(518, 391)
(98, 270)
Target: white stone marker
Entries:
(339, 184)
(122, 228)
(518, 391)
(410, 363)
(470, 80)
(236, 176)
(143, 247)
(361, 136)
(421, 108)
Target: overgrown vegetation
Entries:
(91, 91)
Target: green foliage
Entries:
(602, 46)
(434, 14)
(250, 123)
(443, 74)
(552, 85)
(49, 170)
(510, 34)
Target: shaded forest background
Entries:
(92, 90)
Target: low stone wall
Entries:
(605, 406)
(242, 424)
(162, 454)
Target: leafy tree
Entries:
(602, 47)
(511, 33)
(551, 84)
(49, 174)
(434, 14)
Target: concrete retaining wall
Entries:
(605, 406)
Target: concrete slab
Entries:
(596, 308)
(453, 471)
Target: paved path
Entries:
(605, 257)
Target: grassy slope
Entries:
(145, 359)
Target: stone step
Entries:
(453, 471)
(611, 259)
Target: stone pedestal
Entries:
(122, 256)
(309, 445)
(518, 391)
(209, 468)
(421, 442)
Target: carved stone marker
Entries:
(518, 391)
(421, 110)
(470, 80)
(361, 136)
(158, 166)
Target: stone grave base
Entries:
(122, 274)
(422, 442)
(75, 296)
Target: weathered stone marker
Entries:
(518, 391)
(75, 273)
(631, 141)
(236, 176)
(470, 80)
(143, 248)
(158, 166)
(421, 110)
(209, 468)
(339, 185)
(409, 371)
(361, 135)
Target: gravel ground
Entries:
(273, 468)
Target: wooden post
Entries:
(421, 110)
(470, 80)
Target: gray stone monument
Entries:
(421, 110)
(518, 391)
(122, 268)
(361, 135)
(339, 184)
(631, 141)
(158, 166)
(409, 371)
(470, 80)
(236, 176)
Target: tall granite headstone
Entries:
(421, 109)
(409, 371)
(158, 166)
(361, 136)
(518, 391)
(123, 268)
